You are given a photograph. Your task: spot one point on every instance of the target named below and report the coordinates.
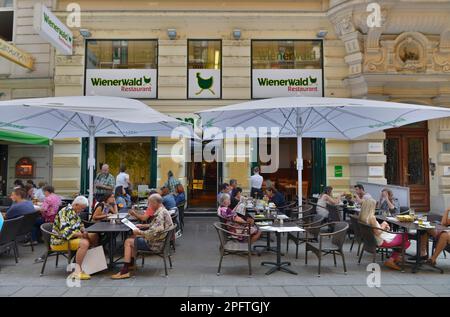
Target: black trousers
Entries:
(256, 193)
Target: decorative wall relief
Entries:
(410, 53)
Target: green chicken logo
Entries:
(313, 80)
(147, 80)
(204, 84)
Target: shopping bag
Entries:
(94, 261)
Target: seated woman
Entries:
(236, 197)
(104, 208)
(180, 196)
(233, 218)
(384, 239)
(388, 202)
(69, 233)
(326, 198)
(123, 200)
(442, 237)
(149, 212)
(150, 237)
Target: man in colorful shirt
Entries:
(104, 183)
(149, 237)
(69, 234)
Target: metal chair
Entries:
(300, 237)
(329, 246)
(369, 243)
(26, 228)
(230, 246)
(8, 236)
(164, 253)
(294, 213)
(47, 233)
(333, 213)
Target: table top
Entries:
(287, 227)
(100, 227)
(410, 225)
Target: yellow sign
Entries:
(16, 55)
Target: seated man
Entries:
(70, 234)
(21, 206)
(150, 236)
(149, 212)
(168, 198)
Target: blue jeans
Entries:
(36, 231)
(142, 244)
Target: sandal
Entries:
(392, 265)
(431, 262)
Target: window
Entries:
(122, 54)
(204, 69)
(446, 147)
(283, 68)
(122, 68)
(6, 20)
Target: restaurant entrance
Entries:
(3, 169)
(314, 167)
(203, 178)
(406, 151)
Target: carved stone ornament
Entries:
(410, 53)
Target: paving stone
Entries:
(417, 291)
(29, 291)
(393, 290)
(346, 291)
(322, 291)
(225, 291)
(9, 290)
(297, 291)
(176, 291)
(370, 291)
(249, 291)
(200, 291)
(53, 292)
(103, 291)
(127, 291)
(152, 291)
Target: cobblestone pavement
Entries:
(194, 274)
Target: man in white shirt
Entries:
(123, 179)
(256, 181)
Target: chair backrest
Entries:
(339, 233)
(354, 226)
(367, 237)
(10, 229)
(169, 234)
(434, 217)
(333, 213)
(46, 229)
(312, 220)
(221, 232)
(28, 223)
(84, 215)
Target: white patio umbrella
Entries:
(315, 117)
(87, 116)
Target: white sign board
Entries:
(375, 147)
(268, 83)
(446, 170)
(376, 171)
(204, 84)
(50, 28)
(130, 83)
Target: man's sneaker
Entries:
(178, 234)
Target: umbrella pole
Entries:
(91, 161)
(299, 159)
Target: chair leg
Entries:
(250, 263)
(360, 255)
(359, 248)
(220, 264)
(306, 254)
(320, 262)
(334, 258)
(45, 262)
(16, 254)
(343, 261)
(287, 244)
(170, 260)
(351, 246)
(57, 259)
(143, 260)
(165, 265)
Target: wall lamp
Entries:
(237, 34)
(321, 34)
(85, 33)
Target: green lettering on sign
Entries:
(338, 171)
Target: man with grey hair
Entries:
(149, 237)
(104, 183)
(69, 234)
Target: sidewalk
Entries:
(194, 274)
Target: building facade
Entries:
(191, 56)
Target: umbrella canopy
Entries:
(87, 116)
(313, 117)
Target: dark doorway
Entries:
(3, 169)
(406, 151)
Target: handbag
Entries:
(94, 261)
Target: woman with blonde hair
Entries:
(384, 239)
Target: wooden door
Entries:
(406, 151)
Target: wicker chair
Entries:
(300, 237)
(369, 243)
(337, 233)
(164, 253)
(333, 213)
(229, 245)
(354, 227)
(26, 228)
(47, 233)
(8, 236)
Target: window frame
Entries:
(321, 41)
(187, 67)
(121, 39)
(13, 10)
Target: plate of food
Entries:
(405, 218)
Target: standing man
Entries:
(104, 183)
(123, 179)
(171, 183)
(256, 182)
(361, 194)
(234, 186)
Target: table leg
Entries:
(111, 250)
(278, 266)
(267, 247)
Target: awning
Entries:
(24, 138)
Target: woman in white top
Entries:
(384, 239)
(324, 199)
